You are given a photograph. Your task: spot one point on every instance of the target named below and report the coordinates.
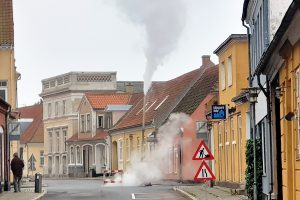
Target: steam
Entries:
(163, 21)
(156, 161)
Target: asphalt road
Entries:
(94, 189)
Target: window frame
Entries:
(229, 71)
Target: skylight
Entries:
(161, 102)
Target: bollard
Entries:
(38, 183)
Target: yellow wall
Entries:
(230, 141)
(131, 138)
(8, 73)
(35, 149)
(289, 129)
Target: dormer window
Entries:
(100, 121)
(82, 123)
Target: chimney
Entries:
(206, 60)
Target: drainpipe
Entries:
(267, 94)
(181, 157)
(252, 115)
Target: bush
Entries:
(250, 168)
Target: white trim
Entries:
(227, 143)
(220, 145)
(233, 142)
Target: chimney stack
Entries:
(206, 60)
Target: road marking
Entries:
(133, 196)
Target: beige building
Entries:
(61, 98)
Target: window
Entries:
(232, 129)
(82, 122)
(170, 160)
(56, 109)
(138, 144)
(72, 158)
(64, 110)
(175, 160)
(120, 153)
(100, 121)
(127, 150)
(78, 157)
(65, 139)
(298, 109)
(233, 148)
(49, 109)
(57, 141)
(50, 142)
(239, 118)
(3, 90)
(222, 74)
(88, 122)
(263, 135)
(42, 159)
(220, 150)
(229, 71)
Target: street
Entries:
(94, 189)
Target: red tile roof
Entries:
(176, 90)
(101, 100)
(6, 23)
(34, 133)
(100, 135)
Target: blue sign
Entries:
(218, 112)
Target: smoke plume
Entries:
(163, 22)
(152, 168)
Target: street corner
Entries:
(26, 194)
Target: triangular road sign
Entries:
(203, 153)
(204, 173)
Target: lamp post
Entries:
(252, 97)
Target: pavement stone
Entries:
(199, 192)
(25, 194)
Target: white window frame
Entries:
(240, 141)
(57, 141)
(65, 135)
(82, 123)
(128, 150)
(42, 158)
(120, 150)
(88, 122)
(64, 105)
(100, 116)
(222, 76)
(5, 90)
(78, 155)
(49, 110)
(229, 71)
(72, 155)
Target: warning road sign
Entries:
(204, 173)
(203, 153)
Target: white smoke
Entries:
(163, 21)
(152, 168)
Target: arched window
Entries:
(72, 158)
(78, 156)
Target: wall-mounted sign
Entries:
(218, 112)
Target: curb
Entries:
(41, 195)
(184, 193)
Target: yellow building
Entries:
(230, 135)
(281, 64)
(32, 139)
(8, 74)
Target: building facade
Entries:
(231, 134)
(61, 98)
(280, 63)
(90, 148)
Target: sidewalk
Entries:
(198, 192)
(27, 192)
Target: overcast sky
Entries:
(53, 37)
